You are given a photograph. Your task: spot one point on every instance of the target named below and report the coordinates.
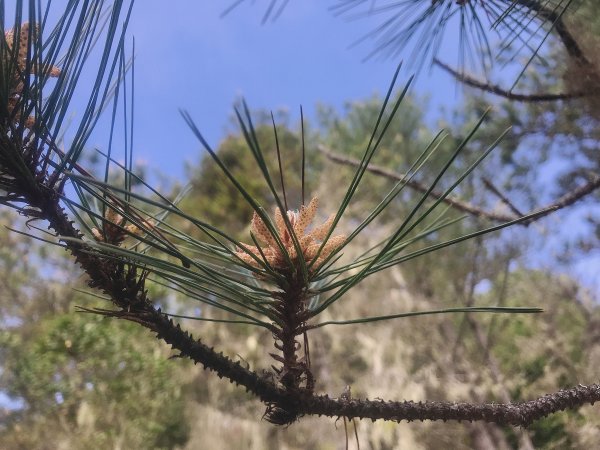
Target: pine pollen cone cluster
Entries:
(21, 68)
(115, 228)
(310, 241)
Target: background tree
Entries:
(77, 380)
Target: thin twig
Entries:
(494, 190)
(572, 196)
(498, 90)
(566, 200)
(418, 186)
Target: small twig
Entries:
(571, 197)
(497, 90)
(416, 185)
(490, 186)
(566, 200)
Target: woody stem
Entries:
(292, 312)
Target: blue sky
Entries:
(188, 56)
(201, 62)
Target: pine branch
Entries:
(418, 186)
(575, 195)
(503, 198)
(305, 403)
(125, 286)
(126, 289)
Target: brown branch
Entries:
(572, 196)
(305, 403)
(566, 200)
(497, 90)
(418, 186)
(516, 414)
(494, 190)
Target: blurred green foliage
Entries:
(78, 380)
(104, 381)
